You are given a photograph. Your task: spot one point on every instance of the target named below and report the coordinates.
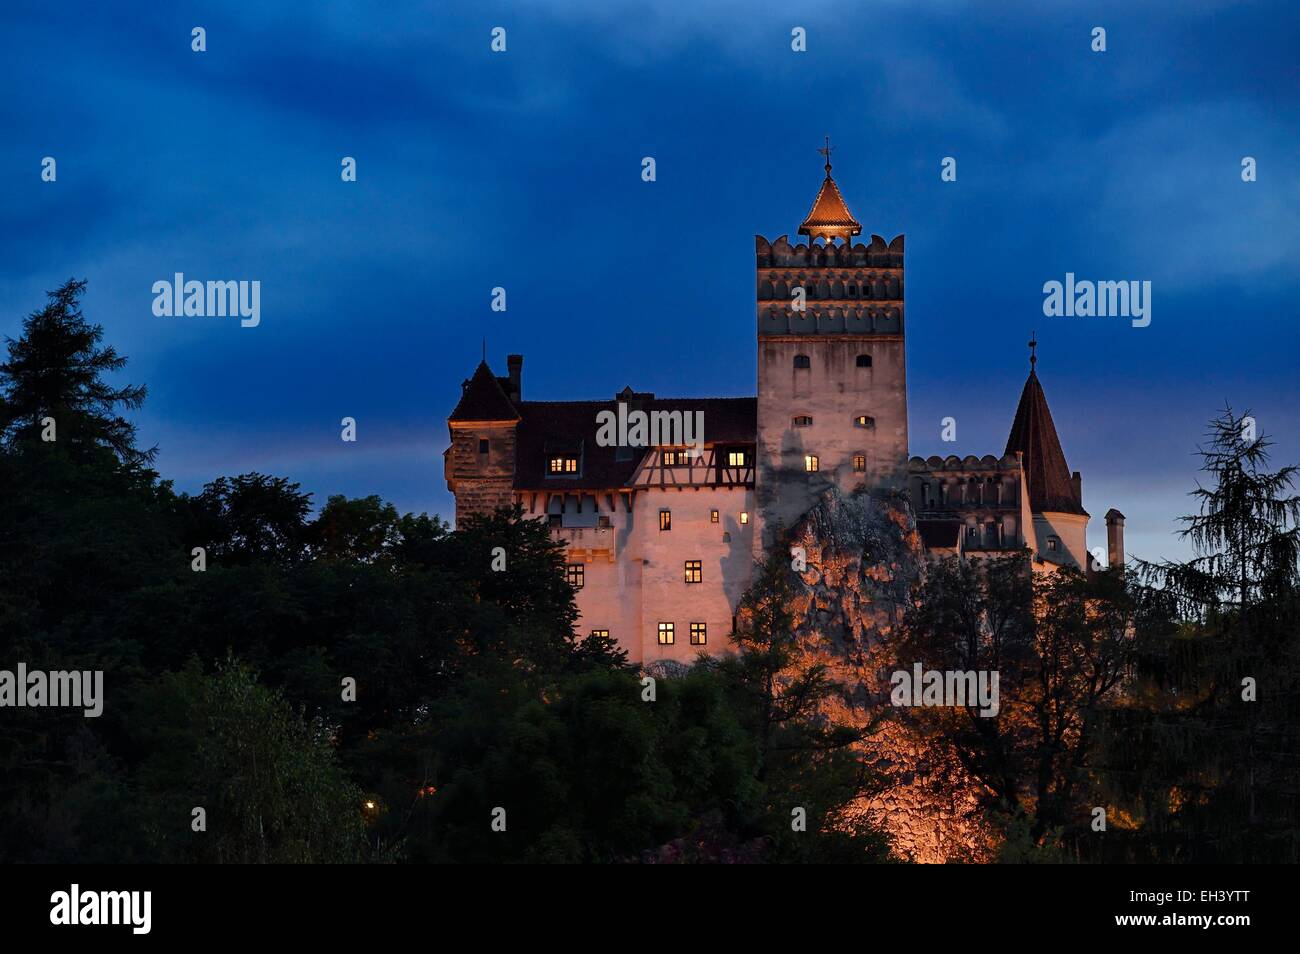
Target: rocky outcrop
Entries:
(863, 561)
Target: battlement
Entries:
(781, 254)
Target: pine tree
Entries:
(56, 372)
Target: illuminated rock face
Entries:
(864, 558)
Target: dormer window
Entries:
(557, 465)
(802, 361)
(736, 458)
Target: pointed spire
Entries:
(829, 217)
(1033, 434)
(484, 399)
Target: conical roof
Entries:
(1051, 489)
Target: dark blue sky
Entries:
(522, 170)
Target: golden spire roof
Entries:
(829, 217)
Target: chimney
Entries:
(1114, 539)
(515, 367)
(1076, 479)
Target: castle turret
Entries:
(1055, 495)
(480, 463)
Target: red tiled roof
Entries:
(553, 426)
(829, 211)
(1051, 490)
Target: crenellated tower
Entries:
(832, 388)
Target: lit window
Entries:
(864, 361)
(694, 571)
(699, 634)
(1053, 543)
(735, 458)
(802, 361)
(665, 519)
(576, 575)
(863, 421)
(603, 633)
(563, 464)
(666, 635)
(803, 422)
(859, 463)
(809, 462)
(482, 445)
(670, 458)
(713, 516)
(744, 516)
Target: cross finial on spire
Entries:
(1033, 349)
(826, 151)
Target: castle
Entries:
(661, 539)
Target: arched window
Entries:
(802, 361)
(864, 361)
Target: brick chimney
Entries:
(1114, 539)
(515, 368)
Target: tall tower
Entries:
(832, 389)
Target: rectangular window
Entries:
(809, 462)
(1053, 543)
(863, 421)
(669, 458)
(694, 571)
(562, 464)
(735, 458)
(666, 634)
(576, 575)
(482, 445)
(699, 634)
(859, 463)
(604, 633)
(744, 517)
(802, 421)
(713, 516)
(665, 519)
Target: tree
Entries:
(1059, 644)
(56, 370)
(267, 780)
(1207, 752)
(807, 758)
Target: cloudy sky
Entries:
(522, 169)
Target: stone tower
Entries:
(832, 394)
(480, 463)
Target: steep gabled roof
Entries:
(484, 399)
(1051, 490)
